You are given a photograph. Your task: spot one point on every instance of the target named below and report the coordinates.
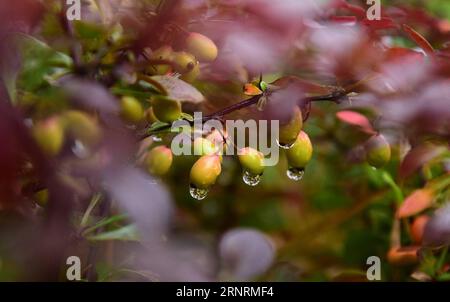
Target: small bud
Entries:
(159, 160)
(251, 160)
(131, 109)
(49, 135)
(290, 131)
(378, 151)
(166, 110)
(205, 171)
(301, 152)
(202, 47)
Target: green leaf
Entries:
(105, 222)
(39, 61)
(126, 233)
(187, 117)
(158, 126)
(177, 89)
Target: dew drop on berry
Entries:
(251, 179)
(285, 146)
(198, 193)
(156, 138)
(295, 173)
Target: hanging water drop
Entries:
(285, 146)
(251, 179)
(198, 193)
(295, 173)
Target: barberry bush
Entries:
(88, 115)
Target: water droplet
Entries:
(295, 173)
(198, 193)
(251, 179)
(285, 146)
(156, 138)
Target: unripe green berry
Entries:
(251, 160)
(82, 126)
(290, 131)
(49, 135)
(41, 197)
(205, 171)
(166, 110)
(202, 47)
(131, 109)
(378, 151)
(159, 160)
(301, 152)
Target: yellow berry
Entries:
(49, 135)
(202, 47)
(82, 126)
(251, 160)
(301, 152)
(166, 110)
(205, 171)
(159, 160)
(162, 53)
(290, 131)
(131, 109)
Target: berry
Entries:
(162, 53)
(82, 126)
(301, 152)
(159, 160)
(166, 110)
(41, 197)
(290, 131)
(378, 151)
(184, 62)
(252, 160)
(191, 75)
(403, 256)
(202, 47)
(205, 171)
(49, 135)
(203, 146)
(131, 109)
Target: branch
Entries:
(335, 97)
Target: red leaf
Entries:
(356, 119)
(418, 38)
(417, 157)
(357, 10)
(350, 20)
(400, 53)
(415, 203)
(384, 23)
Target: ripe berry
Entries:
(162, 53)
(131, 109)
(251, 160)
(202, 47)
(166, 110)
(417, 228)
(49, 135)
(290, 131)
(205, 171)
(378, 151)
(81, 126)
(159, 160)
(301, 152)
